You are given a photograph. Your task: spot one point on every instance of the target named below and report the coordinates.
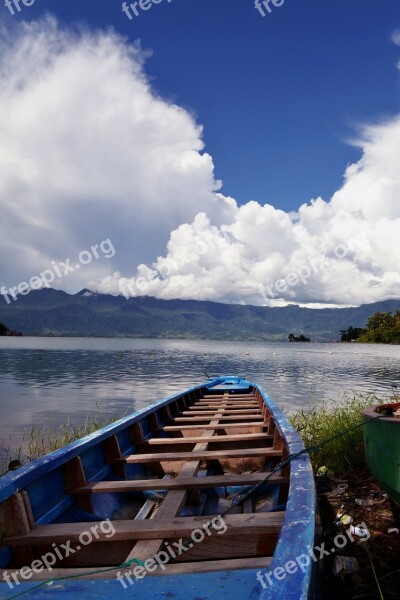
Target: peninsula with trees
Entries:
(382, 328)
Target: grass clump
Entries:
(39, 441)
(42, 441)
(322, 421)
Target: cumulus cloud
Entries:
(345, 251)
(89, 152)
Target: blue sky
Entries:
(278, 96)
(107, 140)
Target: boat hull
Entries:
(50, 500)
(382, 447)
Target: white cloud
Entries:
(345, 251)
(88, 152)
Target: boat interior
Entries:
(145, 487)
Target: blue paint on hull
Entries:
(297, 535)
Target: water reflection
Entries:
(47, 381)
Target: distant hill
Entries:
(52, 312)
(7, 332)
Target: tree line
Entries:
(382, 328)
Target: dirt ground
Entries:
(382, 548)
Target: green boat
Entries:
(382, 446)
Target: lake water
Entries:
(46, 381)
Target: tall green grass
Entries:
(39, 441)
(345, 454)
(316, 424)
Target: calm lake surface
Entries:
(46, 381)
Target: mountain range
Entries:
(53, 312)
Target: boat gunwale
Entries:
(302, 493)
(373, 412)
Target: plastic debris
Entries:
(340, 489)
(371, 501)
(344, 519)
(394, 530)
(367, 502)
(322, 472)
(359, 531)
(344, 565)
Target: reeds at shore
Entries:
(315, 424)
(329, 419)
(39, 441)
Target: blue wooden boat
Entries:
(148, 506)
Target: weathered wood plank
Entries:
(179, 483)
(75, 476)
(246, 437)
(206, 455)
(233, 418)
(230, 546)
(230, 396)
(150, 529)
(229, 403)
(208, 426)
(227, 412)
(112, 451)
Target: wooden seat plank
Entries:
(206, 455)
(227, 412)
(229, 401)
(245, 437)
(150, 529)
(231, 418)
(179, 483)
(208, 426)
(230, 396)
(211, 407)
(229, 404)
